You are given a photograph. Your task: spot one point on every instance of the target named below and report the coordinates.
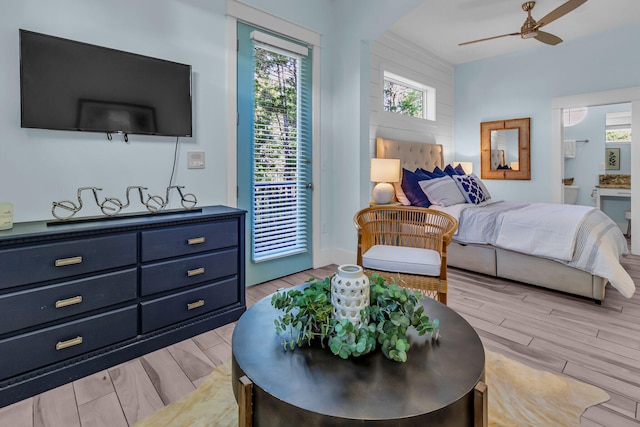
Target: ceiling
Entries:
(439, 26)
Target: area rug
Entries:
(518, 396)
(523, 396)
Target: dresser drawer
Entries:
(30, 351)
(188, 239)
(181, 306)
(57, 260)
(186, 271)
(32, 307)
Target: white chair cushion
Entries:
(402, 259)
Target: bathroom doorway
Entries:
(630, 96)
(597, 158)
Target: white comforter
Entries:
(579, 236)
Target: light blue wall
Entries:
(41, 166)
(523, 84)
(356, 24)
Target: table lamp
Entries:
(384, 172)
(466, 166)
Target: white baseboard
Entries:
(341, 256)
(322, 258)
(335, 256)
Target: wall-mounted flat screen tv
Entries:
(70, 85)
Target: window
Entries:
(274, 149)
(618, 127)
(573, 116)
(409, 98)
(279, 146)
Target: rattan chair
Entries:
(406, 244)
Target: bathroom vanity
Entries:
(611, 192)
(612, 185)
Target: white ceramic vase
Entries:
(349, 293)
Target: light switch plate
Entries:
(195, 159)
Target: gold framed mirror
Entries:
(504, 149)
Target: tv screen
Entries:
(69, 85)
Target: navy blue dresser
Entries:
(76, 298)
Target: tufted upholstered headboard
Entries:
(412, 155)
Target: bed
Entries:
(584, 272)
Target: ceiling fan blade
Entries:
(548, 38)
(559, 12)
(488, 38)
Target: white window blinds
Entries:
(280, 140)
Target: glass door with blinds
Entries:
(274, 152)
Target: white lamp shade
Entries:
(467, 166)
(514, 166)
(385, 170)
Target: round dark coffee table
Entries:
(311, 386)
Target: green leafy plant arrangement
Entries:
(392, 311)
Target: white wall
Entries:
(524, 84)
(355, 25)
(392, 53)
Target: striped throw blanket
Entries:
(596, 246)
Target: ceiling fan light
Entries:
(529, 29)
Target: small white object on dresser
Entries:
(6, 216)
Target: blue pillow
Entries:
(472, 188)
(436, 173)
(449, 170)
(460, 170)
(412, 188)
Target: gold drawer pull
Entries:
(195, 271)
(68, 261)
(196, 304)
(196, 241)
(69, 343)
(69, 301)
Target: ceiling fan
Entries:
(531, 27)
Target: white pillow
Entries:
(402, 198)
(442, 191)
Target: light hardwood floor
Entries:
(548, 330)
